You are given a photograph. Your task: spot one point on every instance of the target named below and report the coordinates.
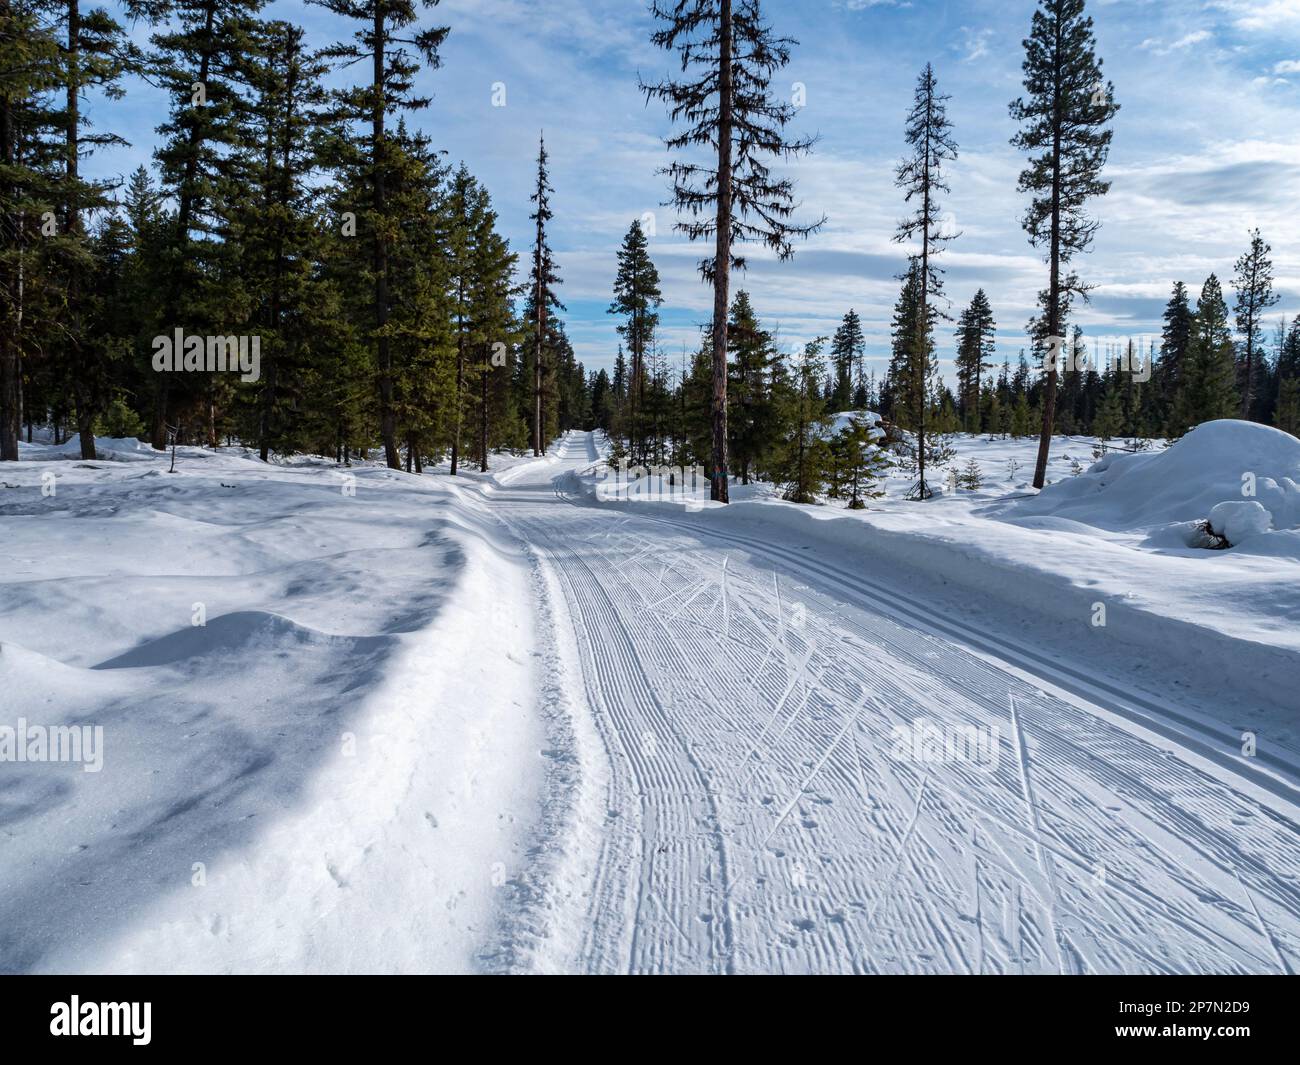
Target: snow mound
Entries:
(1237, 519)
(1253, 470)
(107, 449)
(837, 423)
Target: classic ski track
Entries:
(1136, 707)
(1207, 842)
(714, 857)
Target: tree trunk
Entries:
(1053, 291)
(722, 261)
(540, 299)
(483, 417)
(384, 357)
(923, 325)
(9, 366)
(460, 384)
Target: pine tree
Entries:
(929, 135)
(752, 417)
(975, 343)
(1208, 390)
(95, 54)
(1286, 410)
(27, 191)
(913, 372)
(276, 230)
(1109, 418)
(803, 455)
(1063, 128)
(848, 349)
(393, 67)
(728, 56)
(1175, 336)
(542, 298)
(636, 297)
(480, 265)
(971, 477)
(859, 461)
(204, 58)
(1254, 284)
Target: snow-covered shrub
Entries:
(1236, 520)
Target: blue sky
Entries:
(1207, 145)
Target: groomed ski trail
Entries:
(759, 816)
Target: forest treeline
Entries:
(374, 275)
(392, 313)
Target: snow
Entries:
(1253, 467)
(846, 419)
(1116, 534)
(306, 753)
(500, 723)
(1237, 520)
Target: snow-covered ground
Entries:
(497, 723)
(319, 719)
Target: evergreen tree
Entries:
(1110, 415)
(1254, 285)
(802, 457)
(728, 56)
(94, 53)
(203, 57)
(1286, 411)
(975, 343)
(752, 418)
(848, 349)
(481, 264)
(1175, 336)
(1063, 128)
(277, 232)
(636, 297)
(929, 135)
(1208, 390)
(542, 299)
(29, 70)
(858, 461)
(363, 111)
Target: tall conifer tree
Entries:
(728, 55)
(1063, 119)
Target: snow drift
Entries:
(1171, 493)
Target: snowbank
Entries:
(292, 778)
(1218, 462)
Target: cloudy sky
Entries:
(1206, 146)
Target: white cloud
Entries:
(1155, 45)
(1255, 15)
(974, 44)
(1287, 66)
